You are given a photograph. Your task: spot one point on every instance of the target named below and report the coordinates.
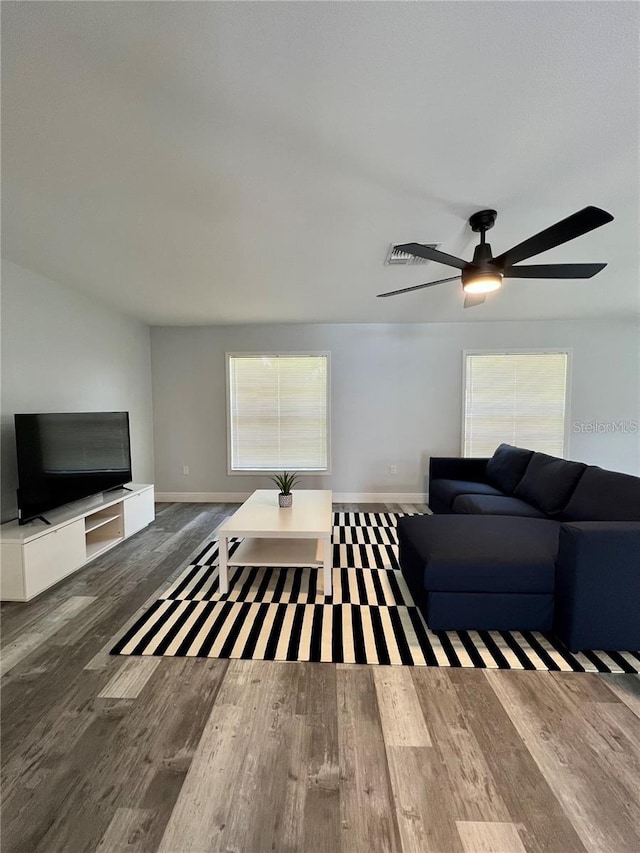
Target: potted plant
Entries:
(285, 482)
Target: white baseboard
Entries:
(338, 497)
(379, 498)
(202, 497)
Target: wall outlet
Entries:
(185, 469)
(393, 469)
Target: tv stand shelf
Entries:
(97, 546)
(96, 520)
(37, 555)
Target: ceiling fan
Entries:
(485, 273)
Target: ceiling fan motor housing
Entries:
(481, 267)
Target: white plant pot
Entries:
(285, 500)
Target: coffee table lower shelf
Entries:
(254, 551)
(272, 551)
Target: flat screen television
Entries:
(64, 457)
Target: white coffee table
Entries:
(297, 536)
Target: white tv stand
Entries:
(36, 555)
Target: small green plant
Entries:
(285, 481)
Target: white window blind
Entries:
(515, 397)
(278, 412)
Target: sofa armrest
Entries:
(597, 596)
(473, 470)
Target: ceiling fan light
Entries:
(483, 283)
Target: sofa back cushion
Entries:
(506, 467)
(604, 496)
(549, 482)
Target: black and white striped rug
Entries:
(281, 614)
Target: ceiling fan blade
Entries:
(432, 255)
(554, 271)
(419, 286)
(573, 226)
(472, 299)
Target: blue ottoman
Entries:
(480, 572)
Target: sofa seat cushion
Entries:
(466, 553)
(448, 490)
(507, 466)
(604, 496)
(549, 482)
(495, 505)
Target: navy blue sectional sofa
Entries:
(527, 541)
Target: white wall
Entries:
(396, 396)
(64, 351)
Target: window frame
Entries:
(568, 351)
(276, 354)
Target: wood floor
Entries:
(108, 753)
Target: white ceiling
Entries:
(244, 162)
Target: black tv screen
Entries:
(63, 457)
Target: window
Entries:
(278, 412)
(515, 397)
